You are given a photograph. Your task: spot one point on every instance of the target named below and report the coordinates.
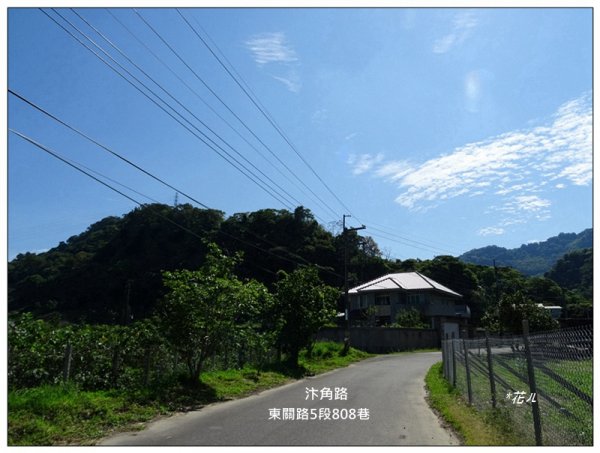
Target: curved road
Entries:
(383, 404)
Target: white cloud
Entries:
(463, 25)
(515, 166)
(363, 163)
(270, 48)
(292, 82)
(490, 230)
(319, 116)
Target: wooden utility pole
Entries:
(346, 298)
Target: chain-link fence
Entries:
(539, 384)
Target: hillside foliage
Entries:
(113, 273)
(531, 259)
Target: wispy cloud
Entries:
(272, 50)
(363, 163)
(462, 27)
(518, 167)
(491, 231)
(292, 81)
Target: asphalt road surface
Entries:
(379, 401)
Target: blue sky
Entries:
(441, 130)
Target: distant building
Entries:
(555, 310)
(388, 295)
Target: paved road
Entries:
(391, 388)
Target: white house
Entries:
(391, 293)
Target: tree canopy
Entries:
(113, 271)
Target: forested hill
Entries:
(531, 259)
(114, 269)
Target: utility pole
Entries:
(346, 298)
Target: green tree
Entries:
(508, 315)
(303, 305)
(205, 309)
(410, 318)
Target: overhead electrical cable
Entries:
(106, 148)
(215, 112)
(246, 173)
(230, 110)
(87, 173)
(183, 106)
(430, 243)
(129, 162)
(408, 241)
(267, 116)
(382, 236)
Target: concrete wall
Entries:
(383, 339)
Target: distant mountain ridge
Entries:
(531, 259)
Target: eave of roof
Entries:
(406, 281)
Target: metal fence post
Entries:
(445, 355)
(67, 362)
(535, 408)
(490, 369)
(468, 371)
(453, 363)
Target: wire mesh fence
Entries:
(540, 383)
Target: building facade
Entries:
(382, 299)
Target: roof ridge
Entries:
(424, 277)
(372, 282)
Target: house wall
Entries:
(430, 304)
(383, 339)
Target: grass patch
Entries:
(563, 387)
(61, 415)
(492, 428)
(66, 415)
(327, 355)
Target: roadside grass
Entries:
(61, 415)
(567, 419)
(66, 415)
(492, 428)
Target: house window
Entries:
(363, 301)
(382, 300)
(414, 299)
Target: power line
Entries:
(229, 109)
(433, 244)
(409, 241)
(246, 173)
(105, 148)
(216, 113)
(129, 162)
(87, 173)
(268, 117)
(183, 106)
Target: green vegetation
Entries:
(204, 310)
(60, 415)
(489, 429)
(410, 318)
(112, 272)
(535, 258)
(64, 414)
(509, 314)
(303, 305)
(140, 317)
(567, 417)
